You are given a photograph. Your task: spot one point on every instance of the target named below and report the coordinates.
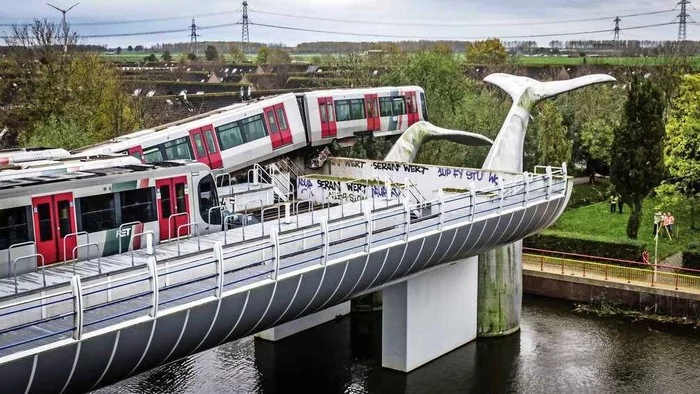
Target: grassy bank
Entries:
(596, 222)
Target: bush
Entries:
(591, 246)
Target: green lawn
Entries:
(618, 61)
(595, 222)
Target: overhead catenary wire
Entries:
(407, 37)
(447, 24)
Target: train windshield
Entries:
(424, 106)
(208, 199)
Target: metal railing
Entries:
(120, 235)
(171, 218)
(87, 246)
(196, 276)
(641, 275)
(76, 235)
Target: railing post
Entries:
(323, 222)
(563, 169)
(287, 213)
(584, 269)
(441, 213)
(77, 291)
(407, 219)
(541, 263)
(501, 196)
(676, 281)
(472, 196)
(150, 247)
(219, 256)
(153, 273)
(548, 171)
(387, 183)
(526, 195)
(368, 219)
(275, 239)
(256, 175)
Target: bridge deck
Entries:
(119, 289)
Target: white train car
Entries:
(23, 155)
(49, 214)
(63, 166)
(232, 138)
(341, 113)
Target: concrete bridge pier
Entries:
(429, 315)
(500, 290)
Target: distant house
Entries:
(213, 78)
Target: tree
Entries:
(553, 142)
(442, 48)
(637, 148)
(682, 149)
(166, 56)
(191, 56)
(237, 54)
(61, 99)
(130, 48)
(150, 58)
(262, 55)
(119, 50)
(211, 53)
(138, 48)
(278, 56)
(490, 51)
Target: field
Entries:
(596, 221)
(616, 61)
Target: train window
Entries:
(97, 213)
(137, 205)
(282, 119)
(398, 106)
(152, 155)
(45, 228)
(423, 105)
(331, 115)
(178, 149)
(211, 145)
(14, 228)
(180, 205)
(342, 110)
(323, 108)
(165, 201)
(253, 128)
(357, 109)
(229, 135)
(271, 122)
(208, 199)
(64, 218)
(385, 106)
(199, 145)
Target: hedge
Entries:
(591, 246)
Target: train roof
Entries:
(183, 122)
(21, 155)
(22, 182)
(380, 89)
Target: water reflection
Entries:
(556, 351)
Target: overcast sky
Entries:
(437, 14)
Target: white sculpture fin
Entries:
(407, 147)
(507, 151)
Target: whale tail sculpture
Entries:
(407, 147)
(507, 151)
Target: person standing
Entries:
(619, 203)
(671, 223)
(657, 222)
(613, 202)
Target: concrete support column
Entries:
(304, 323)
(500, 290)
(429, 315)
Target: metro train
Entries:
(240, 135)
(43, 214)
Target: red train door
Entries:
(54, 218)
(278, 125)
(173, 199)
(412, 108)
(372, 110)
(136, 152)
(329, 128)
(206, 148)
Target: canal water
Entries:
(556, 351)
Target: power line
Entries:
(136, 21)
(455, 38)
(443, 24)
(147, 33)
